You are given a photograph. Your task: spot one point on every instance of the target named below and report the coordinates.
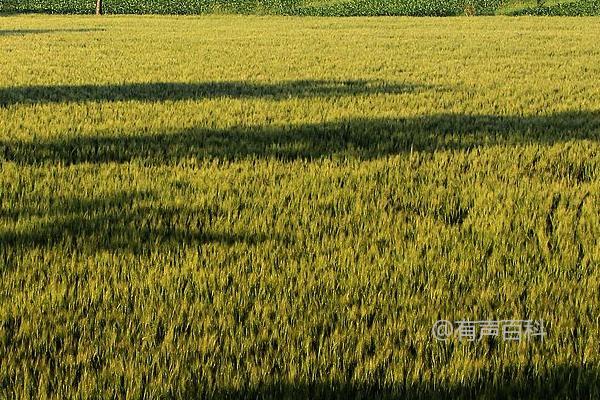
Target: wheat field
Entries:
(282, 207)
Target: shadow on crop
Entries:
(23, 32)
(568, 382)
(169, 91)
(124, 221)
(362, 138)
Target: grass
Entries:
(241, 207)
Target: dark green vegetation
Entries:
(272, 207)
(312, 7)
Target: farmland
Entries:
(313, 7)
(281, 207)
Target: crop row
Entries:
(299, 7)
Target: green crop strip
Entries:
(276, 207)
(312, 8)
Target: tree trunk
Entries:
(98, 7)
